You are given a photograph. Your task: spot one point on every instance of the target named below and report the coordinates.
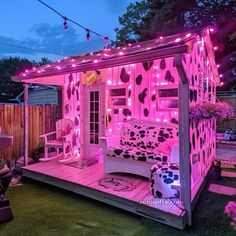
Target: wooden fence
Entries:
(231, 123)
(42, 119)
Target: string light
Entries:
(66, 19)
(65, 23)
(88, 34)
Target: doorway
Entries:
(94, 118)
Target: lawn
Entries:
(43, 210)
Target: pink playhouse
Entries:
(126, 138)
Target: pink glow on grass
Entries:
(121, 53)
(73, 65)
(95, 61)
(188, 35)
(161, 37)
(58, 67)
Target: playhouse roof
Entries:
(131, 53)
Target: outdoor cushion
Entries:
(163, 175)
(137, 154)
(157, 135)
(134, 135)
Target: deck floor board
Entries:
(89, 177)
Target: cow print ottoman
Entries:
(162, 177)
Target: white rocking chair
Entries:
(64, 132)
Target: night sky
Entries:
(30, 24)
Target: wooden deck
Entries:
(87, 182)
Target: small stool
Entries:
(163, 180)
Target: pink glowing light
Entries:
(95, 61)
(72, 59)
(221, 83)
(221, 75)
(39, 71)
(34, 68)
(73, 65)
(188, 35)
(48, 66)
(58, 67)
(211, 30)
(148, 48)
(24, 74)
(218, 65)
(109, 82)
(121, 53)
(26, 71)
(215, 48)
(177, 40)
(129, 44)
(161, 37)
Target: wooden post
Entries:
(185, 167)
(26, 125)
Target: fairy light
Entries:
(177, 40)
(109, 82)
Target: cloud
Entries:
(51, 38)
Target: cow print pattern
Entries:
(162, 64)
(147, 65)
(157, 135)
(169, 77)
(142, 96)
(163, 175)
(134, 135)
(139, 79)
(137, 154)
(124, 76)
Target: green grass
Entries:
(43, 210)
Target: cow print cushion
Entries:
(137, 154)
(157, 135)
(163, 175)
(134, 135)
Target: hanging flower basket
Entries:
(219, 110)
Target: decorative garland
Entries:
(219, 110)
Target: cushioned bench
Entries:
(140, 145)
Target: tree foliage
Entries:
(148, 19)
(12, 66)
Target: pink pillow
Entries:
(166, 146)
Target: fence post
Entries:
(26, 125)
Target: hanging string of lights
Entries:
(87, 30)
(29, 49)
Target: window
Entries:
(167, 97)
(94, 117)
(118, 96)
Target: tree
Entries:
(148, 19)
(12, 66)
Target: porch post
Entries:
(26, 124)
(184, 139)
